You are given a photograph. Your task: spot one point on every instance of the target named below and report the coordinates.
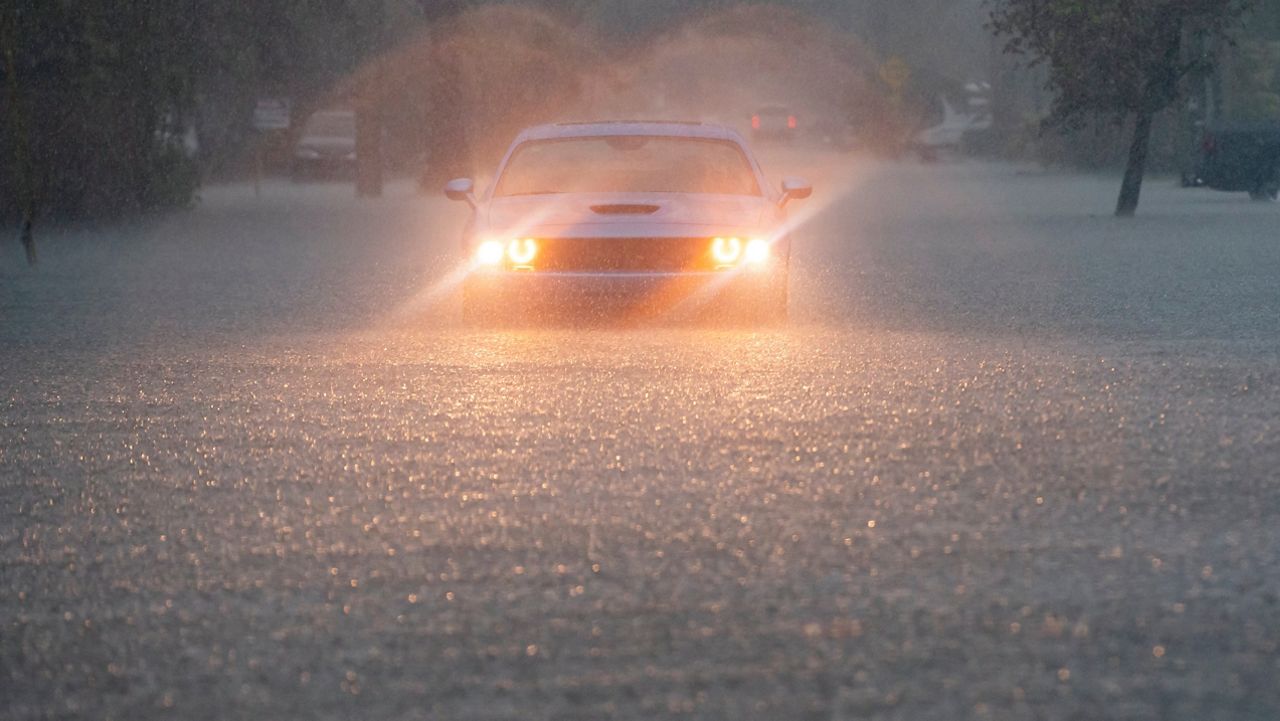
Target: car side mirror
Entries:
(795, 189)
(461, 189)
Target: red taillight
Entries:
(791, 122)
(755, 122)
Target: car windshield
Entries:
(628, 164)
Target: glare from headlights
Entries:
(757, 250)
(489, 253)
(522, 252)
(726, 251)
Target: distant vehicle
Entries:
(639, 217)
(327, 146)
(949, 135)
(1242, 158)
(774, 122)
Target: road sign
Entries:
(895, 73)
(272, 114)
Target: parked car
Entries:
(327, 146)
(1242, 158)
(638, 218)
(955, 126)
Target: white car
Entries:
(949, 135)
(641, 218)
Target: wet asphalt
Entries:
(1010, 459)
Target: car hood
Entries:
(620, 214)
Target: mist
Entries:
(466, 85)
(988, 452)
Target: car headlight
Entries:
(518, 252)
(490, 252)
(758, 251)
(732, 252)
(522, 251)
(726, 251)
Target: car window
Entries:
(331, 125)
(628, 164)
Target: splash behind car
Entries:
(636, 218)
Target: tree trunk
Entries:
(368, 149)
(20, 129)
(1131, 188)
(28, 237)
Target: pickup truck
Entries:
(1242, 158)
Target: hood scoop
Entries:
(625, 209)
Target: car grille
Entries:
(624, 255)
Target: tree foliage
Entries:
(1111, 56)
(101, 89)
(111, 91)
(1123, 58)
(99, 99)
(1251, 81)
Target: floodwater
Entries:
(1011, 459)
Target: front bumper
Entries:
(512, 294)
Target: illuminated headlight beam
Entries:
(490, 253)
(758, 251)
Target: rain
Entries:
(1004, 453)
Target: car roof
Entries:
(667, 128)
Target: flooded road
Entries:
(1009, 460)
